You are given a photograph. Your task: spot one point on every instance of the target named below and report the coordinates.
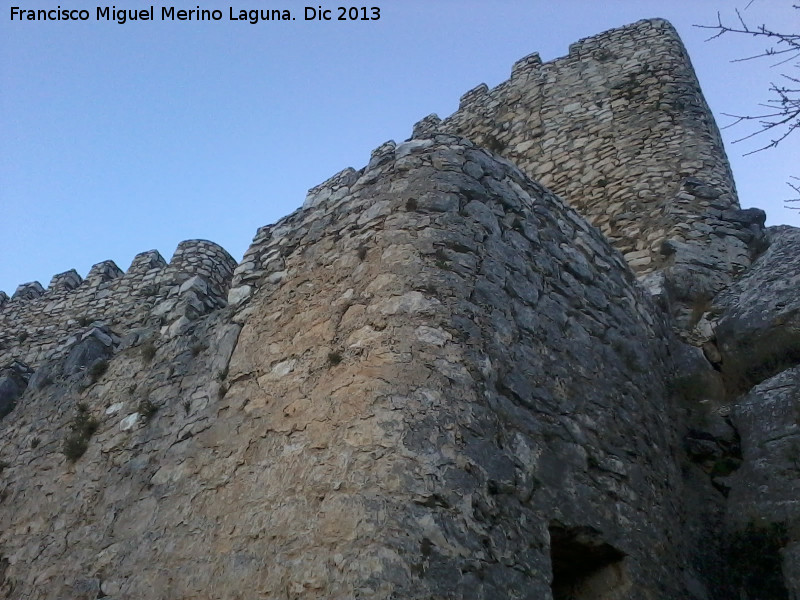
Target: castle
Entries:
(535, 351)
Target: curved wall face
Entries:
(461, 367)
(453, 387)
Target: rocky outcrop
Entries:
(13, 381)
(763, 512)
(756, 321)
(745, 430)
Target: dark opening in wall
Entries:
(755, 560)
(585, 566)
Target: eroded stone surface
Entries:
(757, 324)
(764, 502)
(465, 336)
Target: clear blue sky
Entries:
(115, 139)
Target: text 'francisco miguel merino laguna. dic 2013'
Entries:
(170, 13)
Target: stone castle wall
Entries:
(410, 410)
(36, 323)
(619, 128)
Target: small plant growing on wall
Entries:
(97, 370)
(493, 144)
(334, 358)
(149, 291)
(82, 428)
(442, 260)
(147, 409)
(148, 351)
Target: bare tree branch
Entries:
(796, 188)
(782, 117)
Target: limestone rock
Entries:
(764, 501)
(96, 345)
(13, 381)
(758, 317)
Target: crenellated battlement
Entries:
(35, 322)
(473, 97)
(102, 272)
(68, 280)
(526, 66)
(146, 261)
(28, 291)
(332, 187)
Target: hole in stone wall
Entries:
(492, 144)
(585, 566)
(755, 560)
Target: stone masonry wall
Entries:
(411, 410)
(429, 337)
(619, 128)
(36, 324)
